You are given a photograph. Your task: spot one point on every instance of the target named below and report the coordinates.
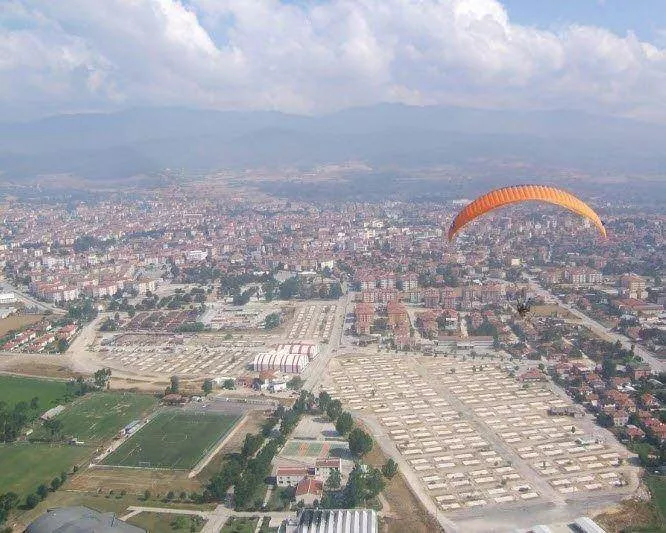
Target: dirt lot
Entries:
(17, 322)
(134, 481)
(404, 512)
(52, 366)
(631, 515)
(552, 310)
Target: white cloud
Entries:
(313, 57)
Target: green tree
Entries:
(102, 377)
(360, 443)
(9, 500)
(55, 484)
(179, 522)
(333, 409)
(229, 384)
(207, 386)
(42, 491)
(54, 427)
(334, 480)
(390, 468)
(295, 383)
(344, 423)
(175, 385)
(31, 501)
(272, 321)
(323, 400)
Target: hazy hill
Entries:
(145, 140)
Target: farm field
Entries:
(99, 416)
(14, 389)
(17, 322)
(23, 467)
(173, 439)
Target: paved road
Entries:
(314, 371)
(602, 331)
(29, 299)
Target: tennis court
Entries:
(310, 449)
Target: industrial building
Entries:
(311, 349)
(78, 519)
(336, 521)
(280, 361)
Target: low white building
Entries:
(7, 298)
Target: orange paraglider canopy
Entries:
(523, 193)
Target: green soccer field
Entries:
(14, 389)
(172, 439)
(99, 416)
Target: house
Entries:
(245, 381)
(650, 402)
(277, 385)
(324, 467)
(287, 476)
(620, 418)
(308, 490)
(634, 432)
(532, 374)
(52, 413)
(639, 371)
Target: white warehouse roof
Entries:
(338, 521)
(284, 362)
(311, 349)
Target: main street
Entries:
(314, 371)
(599, 329)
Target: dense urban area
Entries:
(217, 356)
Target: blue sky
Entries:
(646, 18)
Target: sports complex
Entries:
(173, 439)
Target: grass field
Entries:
(166, 523)
(240, 525)
(25, 466)
(99, 416)
(173, 439)
(657, 486)
(14, 389)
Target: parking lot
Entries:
(477, 437)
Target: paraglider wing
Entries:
(523, 193)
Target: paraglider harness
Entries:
(524, 306)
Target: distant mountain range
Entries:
(122, 144)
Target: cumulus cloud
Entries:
(312, 57)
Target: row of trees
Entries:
(10, 500)
(247, 471)
(365, 482)
(14, 419)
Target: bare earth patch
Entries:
(405, 513)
